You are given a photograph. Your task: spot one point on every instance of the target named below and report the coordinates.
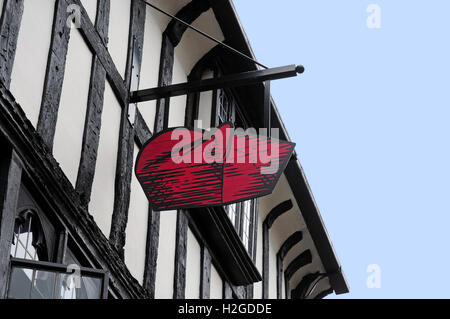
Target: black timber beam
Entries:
(125, 159)
(9, 33)
(228, 81)
(93, 121)
(10, 181)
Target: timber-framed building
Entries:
(68, 194)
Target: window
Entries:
(44, 259)
(225, 108)
(246, 221)
(232, 212)
(28, 239)
(240, 214)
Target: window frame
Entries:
(57, 268)
(64, 241)
(234, 113)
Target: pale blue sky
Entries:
(370, 117)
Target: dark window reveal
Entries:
(226, 109)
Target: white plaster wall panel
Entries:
(30, 64)
(216, 287)
(72, 108)
(205, 104)
(150, 63)
(136, 232)
(170, 6)
(102, 198)
(197, 45)
(177, 106)
(274, 246)
(193, 267)
(204, 109)
(166, 255)
(119, 25)
(283, 227)
(259, 259)
(91, 8)
(1, 6)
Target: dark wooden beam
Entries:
(302, 288)
(151, 252)
(179, 280)
(92, 124)
(300, 261)
(165, 78)
(227, 81)
(54, 75)
(142, 132)
(9, 33)
(324, 293)
(125, 160)
(290, 242)
(189, 13)
(98, 47)
(10, 181)
(277, 211)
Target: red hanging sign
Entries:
(181, 168)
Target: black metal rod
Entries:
(228, 81)
(205, 34)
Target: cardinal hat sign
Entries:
(181, 168)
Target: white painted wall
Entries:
(72, 109)
(171, 6)
(102, 198)
(193, 267)
(150, 63)
(28, 74)
(119, 25)
(166, 255)
(257, 292)
(91, 8)
(205, 104)
(177, 107)
(1, 6)
(194, 46)
(216, 288)
(136, 232)
(191, 48)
